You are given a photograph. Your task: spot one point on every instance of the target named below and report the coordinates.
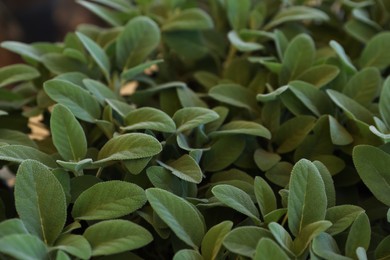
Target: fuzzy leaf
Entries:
(268, 249)
(75, 245)
(20, 153)
(190, 117)
(15, 73)
(359, 235)
(186, 168)
(24, 246)
(238, 13)
(265, 196)
(212, 241)
(243, 127)
(319, 75)
(12, 226)
(149, 118)
(188, 19)
(342, 217)
(40, 201)
(107, 200)
(181, 217)
(115, 236)
(241, 45)
(375, 53)
(234, 95)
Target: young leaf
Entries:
(115, 236)
(107, 200)
(328, 182)
(375, 54)
(15, 73)
(187, 254)
(268, 249)
(149, 118)
(346, 61)
(78, 100)
(186, 168)
(20, 153)
(61, 255)
(244, 240)
(299, 56)
(40, 201)
(75, 245)
(181, 217)
(338, 134)
(372, 166)
(12, 226)
(359, 235)
(188, 19)
(97, 53)
(326, 247)
(131, 73)
(68, 135)
(241, 45)
(265, 196)
(129, 146)
(342, 217)
(23, 246)
(281, 236)
(138, 39)
(236, 199)
(190, 117)
(307, 198)
(212, 241)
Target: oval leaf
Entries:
(16, 73)
(190, 117)
(20, 153)
(212, 241)
(23, 246)
(186, 168)
(149, 118)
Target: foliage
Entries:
(258, 129)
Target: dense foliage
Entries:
(257, 129)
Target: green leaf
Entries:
(382, 251)
(79, 101)
(292, 133)
(375, 53)
(265, 196)
(350, 107)
(234, 95)
(12, 226)
(181, 217)
(131, 73)
(338, 134)
(346, 61)
(188, 19)
(190, 117)
(22, 49)
(238, 13)
(359, 235)
(115, 236)
(75, 245)
(20, 153)
(61, 255)
(81, 183)
(320, 75)
(280, 173)
(268, 249)
(40, 201)
(372, 165)
(106, 14)
(281, 236)
(149, 118)
(266, 160)
(326, 247)
(298, 57)
(189, 45)
(185, 168)
(136, 166)
(23, 246)
(212, 241)
(307, 234)
(384, 100)
(296, 13)
(112, 199)
(272, 95)
(328, 182)
(187, 254)
(97, 53)
(99, 90)
(236, 199)
(129, 146)
(342, 217)
(364, 86)
(15, 137)
(15, 73)
(225, 151)
(307, 197)
(243, 127)
(60, 64)
(242, 45)
(67, 133)
(244, 240)
(138, 39)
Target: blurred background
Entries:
(37, 21)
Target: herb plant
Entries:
(256, 129)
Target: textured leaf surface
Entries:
(186, 168)
(212, 241)
(107, 200)
(191, 117)
(149, 118)
(20, 153)
(23, 246)
(16, 73)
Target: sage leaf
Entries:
(40, 201)
(234, 95)
(23, 246)
(372, 166)
(115, 236)
(244, 240)
(191, 117)
(268, 249)
(236, 199)
(129, 146)
(68, 135)
(20, 153)
(307, 197)
(243, 127)
(212, 241)
(241, 45)
(188, 19)
(238, 13)
(359, 235)
(187, 254)
(185, 168)
(149, 118)
(265, 196)
(99, 90)
(22, 49)
(107, 200)
(342, 217)
(15, 73)
(326, 247)
(374, 54)
(75, 98)
(346, 61)
(384, 100)
(281, 236)
(320, 75)
(181, 217)
(12, 226)
(75, 245)
(132, 72)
